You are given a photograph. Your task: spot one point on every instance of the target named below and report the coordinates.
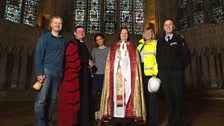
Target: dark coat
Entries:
(174, 54)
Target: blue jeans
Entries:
(46, 98)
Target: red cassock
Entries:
(69, 98)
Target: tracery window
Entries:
(126, 14)
(110, 16)
(94, 16)
(80, 12)
(217, 11)
(183, 21)
(13, 10)
(192, 13)
(30, 12)
(115, 13)
(182, 3)
(22, 11)
(139, 16)
(198, 12)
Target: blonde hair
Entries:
(152, 33)
(56, 17)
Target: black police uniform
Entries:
(172, 58)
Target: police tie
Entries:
(168, 38)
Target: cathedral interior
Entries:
(201, 22)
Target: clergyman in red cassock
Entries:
(69, 99)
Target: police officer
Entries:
(173, 56)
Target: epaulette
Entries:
(181, 36)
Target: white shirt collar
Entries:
(170, 35)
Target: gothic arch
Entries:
(22, 51)
(221, 50)
(31, 52)
(0, 48)
(214, 51)
(206, 52)
(195, 53)
(8, 49)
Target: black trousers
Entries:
(97, 84)
(172, 82)
(151, 102)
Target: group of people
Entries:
(120, 73)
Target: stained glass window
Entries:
(198, 12)
(194, 14)
(139, 16)
(198, 18)
(80, 7)
(110, 16)
(183, 22)
(22, 11)
(198, 5)
(13, 10)
(94, 16)
(182, 3)
(217, 14)
(217, 11)
(126, 14)
(183, 19)
(30, 12)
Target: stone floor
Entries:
(201, 111)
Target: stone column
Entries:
(205, 71)
(165, 9)
(33, 75)
(219, 65)
(199, 72)
(222, 64)
(23, 70)
(194, 71)
(3, 61)
(212, 70)
(188, 77)
(8, 68)
(2, 8)
(59, 6)
(15, 70)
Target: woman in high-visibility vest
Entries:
(147, 50)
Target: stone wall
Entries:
(207, 66)
(17, 45)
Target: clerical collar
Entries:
(80, 40)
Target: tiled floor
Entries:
(200, 112)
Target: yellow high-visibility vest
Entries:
(150, 63)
